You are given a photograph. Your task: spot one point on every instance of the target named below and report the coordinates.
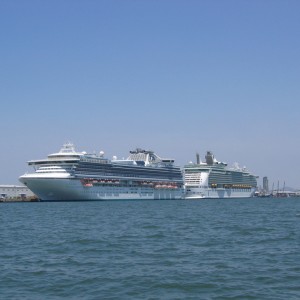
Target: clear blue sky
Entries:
(173, 76)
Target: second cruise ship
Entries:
(72, 175)
(213, 179)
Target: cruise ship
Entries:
(70, 175)
(213, 179)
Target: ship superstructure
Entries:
(71, 175)
(213, 179)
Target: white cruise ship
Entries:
(213, 179)
(71, 175)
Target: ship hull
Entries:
(200, 193)
(72, 189)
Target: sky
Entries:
(174, 76)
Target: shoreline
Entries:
(18, 199)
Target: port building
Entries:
(15, 192)
(265, 184)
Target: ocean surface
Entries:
(207, 249)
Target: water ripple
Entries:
(233, 249)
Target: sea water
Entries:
(207, 249)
